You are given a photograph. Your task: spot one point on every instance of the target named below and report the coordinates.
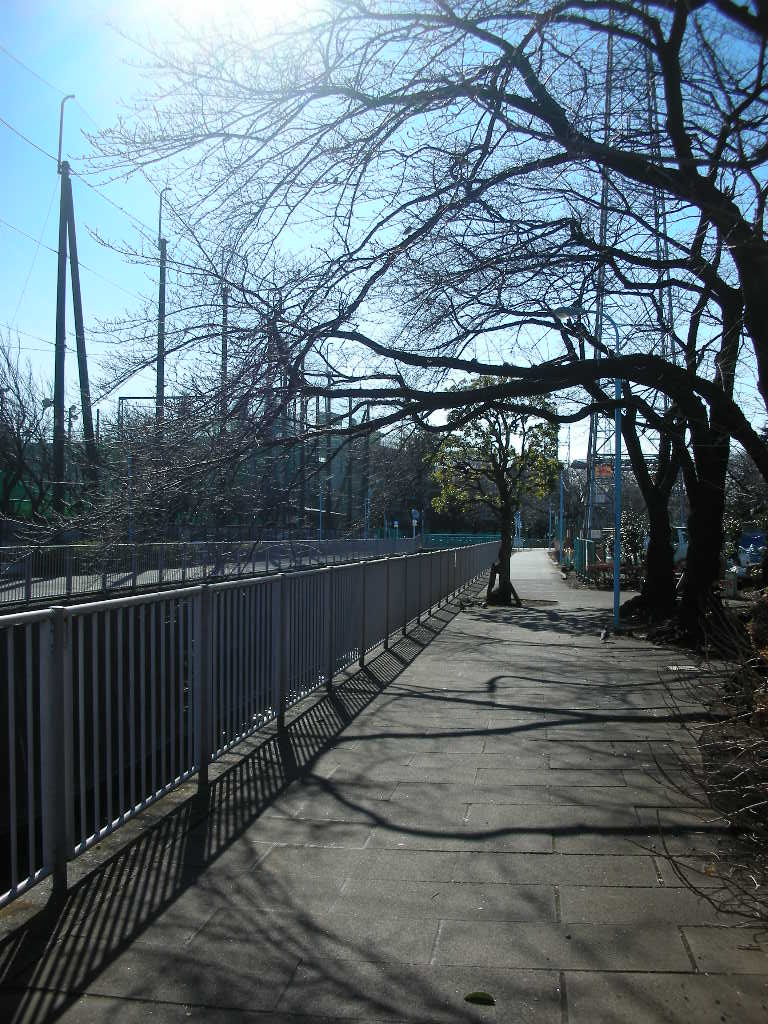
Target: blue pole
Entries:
(561, 519)
(616, 490)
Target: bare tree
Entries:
(25, 425)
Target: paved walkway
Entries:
(478, 810)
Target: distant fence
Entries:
(60, 572)
(106, 706)
(452, 540)
(584, 555)
(447, 540)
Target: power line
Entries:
(105, 197)
(26, 334)
(77, 174)
(29, 142)
(90, 270)
(26, 67)
(34, 258)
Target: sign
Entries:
(415, 515)
(603, 469)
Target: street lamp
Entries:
(573, 312)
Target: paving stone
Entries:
(282, 861)
(224, 974)
(522, 758)
(457, 900)
(626, 905)
(327, 933)
(415, 865)
(427, 794)
(307, 832)
(555, 868)
(463, 839)
(666, 998)
(561, 946)
(720, 950)
(388, 992)
(551, 818)
(36, 1006)
(547, 777)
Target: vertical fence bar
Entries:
(121, 787)
(419, 564)
(405, 593)
(56, 742)
(330, 631)
(386, 604)
(278, 649)
(202, 689)
(11, 655)
(363, 581)
(31, 810)
(132, 703)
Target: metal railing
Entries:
(62, 572)
(106, 706)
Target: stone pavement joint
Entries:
(485, 807)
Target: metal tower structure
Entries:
(600, 448)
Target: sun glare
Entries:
(196, 15)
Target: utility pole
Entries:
(77, 301)
(61, 341)
(160, 386)
(67, 236)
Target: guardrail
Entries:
(61, 572)
(107, 706)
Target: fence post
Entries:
(28, 577)
(431, 588)
(56, 744)
(331, 629)
(405, 593)
(202, 688)
(266, 561)
(418, 587)
(69, 572)
(386, 605)
(361, 660)
(279, 659)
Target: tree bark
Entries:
(706, 496)
(503, 593)
(658, 591)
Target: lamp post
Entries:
(571, 312)
(560, 559)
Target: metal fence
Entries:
(58, 572)
(106, 706)
(584, 555)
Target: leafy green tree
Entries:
(495, 454)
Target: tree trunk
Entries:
(659, 585)
(503, 593)
(705, 529)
